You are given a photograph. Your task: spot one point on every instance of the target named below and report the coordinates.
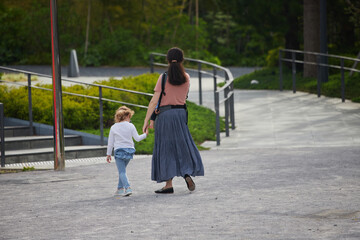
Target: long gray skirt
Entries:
(175, 153)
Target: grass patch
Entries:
(17, 77)
(26, 169)
(3, 171)
(269, 80)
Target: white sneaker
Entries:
(120, 192)
(128, 192)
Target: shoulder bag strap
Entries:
(163, 81)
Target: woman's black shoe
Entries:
(165, 190)
(189, 182)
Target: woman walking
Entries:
(175, 153)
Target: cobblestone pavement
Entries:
(264, 193)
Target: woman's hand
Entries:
(108, 158)
(145, 127)
(151, 108)
(151, 124)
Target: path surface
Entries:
(290, 170)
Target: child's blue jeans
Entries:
(122, 159)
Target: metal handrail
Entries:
(321, 54)
(319, 64)
(74, 81)
(228, 88)
(100, 98)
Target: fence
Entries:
(227, 89)
(319, 64)
(99, 98)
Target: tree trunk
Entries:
(87, 29)
(311, 34)
(190, 14)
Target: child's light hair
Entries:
(122, 113)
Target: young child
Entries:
(121, 139)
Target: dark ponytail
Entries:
(176, 71)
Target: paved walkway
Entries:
(290, 170)
(274, 119)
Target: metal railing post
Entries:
(226, 92)
(2, 135)
(101, 118)
(293, 72)
(226, 77)
(318, 58)
(200, 87)
(151, 63)
(217, 118)
(280, 70)
(227, 104)
(30, 106)
(215, 84)
(232, 110)
(342, 80)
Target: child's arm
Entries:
(110, 146)
(136, 136)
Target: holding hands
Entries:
(146, 126)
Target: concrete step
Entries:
(47, 154)
(17, 131)
(31, 142)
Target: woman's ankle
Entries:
(168, 184)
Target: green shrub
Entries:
(83, 113)
(79, 112)
(272, 59)
(26, 169)
(269, 79)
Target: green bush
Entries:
(119, 48)
(269, 79)
(79, 112)
(83, 113)
(272, 59)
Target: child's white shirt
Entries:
(121, 136)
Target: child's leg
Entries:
(123, 180)
(120, 166)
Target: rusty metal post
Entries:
(59, 143)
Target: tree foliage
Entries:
(122, 33)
